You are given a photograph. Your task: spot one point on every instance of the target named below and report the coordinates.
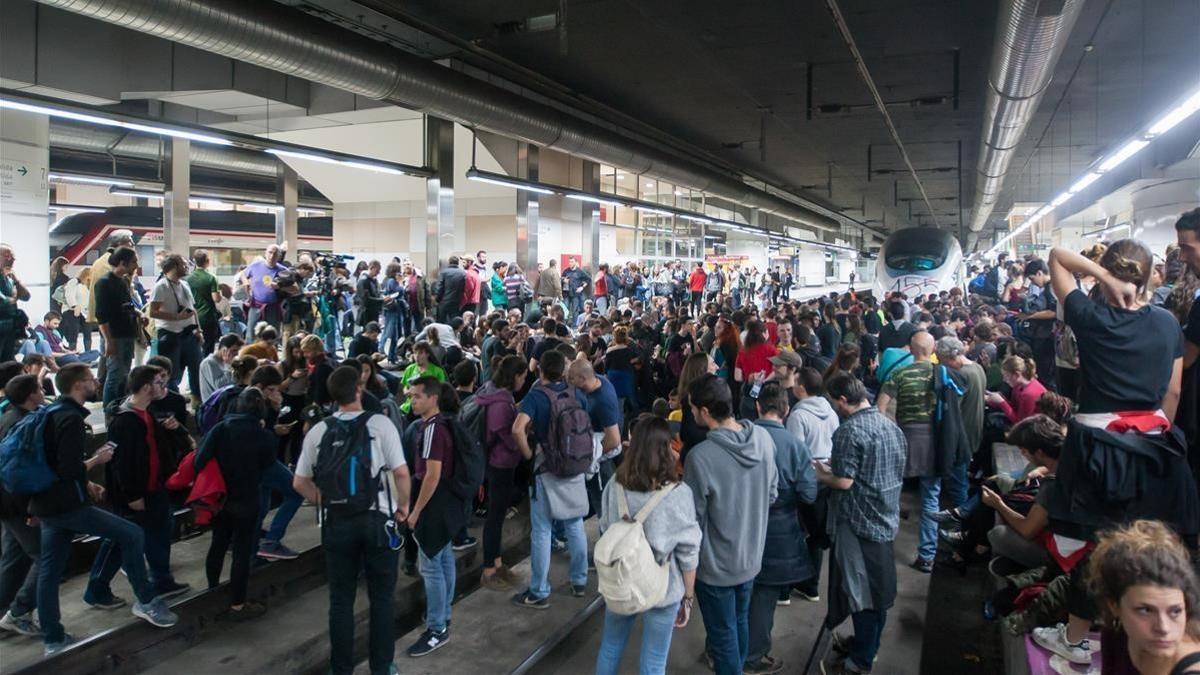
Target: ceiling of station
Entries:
(770, 89)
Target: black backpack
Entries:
(343, 467)
(469, 460)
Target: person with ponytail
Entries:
(1143, 579)
(1131, 363)
(1020, 374)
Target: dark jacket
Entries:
(318, 392)
(450, 285)
(66, 437)
(950, 443)
(785, 554)
(1106, 479)
(244, 450)
(893, 336)
(127, 476)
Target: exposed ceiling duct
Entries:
(263, 34)
(1030, 36)
(86, 138)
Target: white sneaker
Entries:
(1054, 639)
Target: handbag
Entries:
(566, 497)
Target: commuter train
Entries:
(919, 261)
(233, 238)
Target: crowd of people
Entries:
(732, 442)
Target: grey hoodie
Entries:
(733, 479)
(814, 421)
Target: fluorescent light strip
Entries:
(1179, 113)
(325, 159)
(88, 180)
(518, 186)
(141, 194)
(1088, 179)
(1176, 115)
(105, 121)
(591, 199)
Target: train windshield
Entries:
(915, 255)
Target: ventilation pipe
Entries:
(86, 138)
(288, 41)
(1030, 37)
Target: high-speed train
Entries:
(919, 261)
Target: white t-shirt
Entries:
(386, 453)
(175, 297)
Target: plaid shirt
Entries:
(869, 449)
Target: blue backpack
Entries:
(23, 467)
(215, 407)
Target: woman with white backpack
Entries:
(648, 552)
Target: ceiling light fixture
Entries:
(348, 163)
(87, 180)
(584, 197)
(500, 179)
(111, 122)
(140, 194)
(1185, 109)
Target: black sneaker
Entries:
(106, 601)
(466, 543)
(578, 591)
(923, 565)
(250, 610)
(173, 590)
(525, 599)
(429, 642)
(767, 665)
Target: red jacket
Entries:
(696, 280)
(208, 487)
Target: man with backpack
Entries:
(438, 513)
(21, 542)
(360, 528)
(604, 409)
(56, 438)
(136, 484)
(563, 429)
(733, 479)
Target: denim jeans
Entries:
(394, 325)
(22, 545)
(155, 521)
(117, 369)
(868, 629)
(278, 479)
(272, 314)
(931, 488)
(439, 574)
(657, 627)
(56, 548)
(956, 485)
(726, 614)
(187, 354)
(353, 545)
(762, 619)
(539, 551)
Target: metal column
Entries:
(589, 217)
(176, 215)
(439, 193)
(287, 219)
(527, 208)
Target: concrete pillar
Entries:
(528, 206)
(24, 203)
(439, 193)
(176, 215)
(287, 219)
(589, 220)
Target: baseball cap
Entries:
(790, 359)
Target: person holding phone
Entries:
(179, 336)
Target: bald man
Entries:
(605, 411)
(912, 389)
(11, 292)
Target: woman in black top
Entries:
(243, 449)
(691, 433)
